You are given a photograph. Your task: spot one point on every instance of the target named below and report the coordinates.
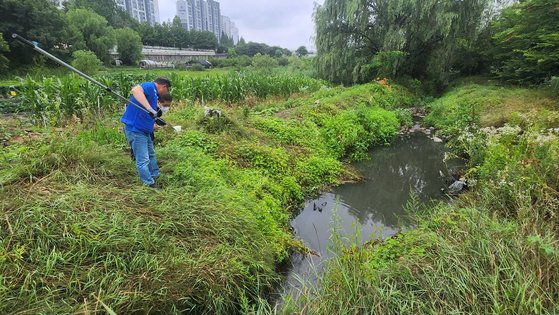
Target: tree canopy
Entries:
(526, 42)
(38, 20)
(4, 48)
(302, 51)
(129, 45)
(90, 31)
(359, 39)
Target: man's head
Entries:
(163, 85)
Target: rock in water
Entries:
(456, 187)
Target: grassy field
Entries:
(79, 234)
(11, 79)
(494, 250)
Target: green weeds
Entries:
(455, 261)
(494, 249)
(79, 234)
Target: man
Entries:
(139, 126)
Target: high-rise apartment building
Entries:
(200, 15)
(58, 3)
(228, 28)
(213, 18)
(142, 10)
(145, 11)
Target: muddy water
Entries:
(373, 208)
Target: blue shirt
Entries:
(135, 118)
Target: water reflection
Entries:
(375, 206)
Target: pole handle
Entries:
(23, 40)
(83, 75)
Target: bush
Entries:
(264, 63)
(86, 61)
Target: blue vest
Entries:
(138, 118)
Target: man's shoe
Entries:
(154, 186)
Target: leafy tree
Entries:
(90, 31)
(86, 61)
(357, 38)
(226, 41)
(203, 40)
(4, 62)
(231, 53)
(264, 63)
(129, 45)
(180, 36)
(527, 42)
(36, 20)
(115, 16)
(148, 34)
(302, 51)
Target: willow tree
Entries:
(359, 39)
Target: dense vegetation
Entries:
(78, 233)
(435, 41)
(494, 249)
(99, 25)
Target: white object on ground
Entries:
(177, 128)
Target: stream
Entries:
(370, 209)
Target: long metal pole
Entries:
(83, 75)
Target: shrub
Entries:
(86, 61)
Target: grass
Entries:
(79, 234)
(494, 249)
(165, 72)
(457, 261)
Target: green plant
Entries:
(86, 61)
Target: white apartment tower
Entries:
(58, 3)
(228, 27)
(144, 11)
(200, 15)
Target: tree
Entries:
(179, 35)
(226, 41)
(115, 16)
(86, 61)
(4, 62)
(90, 31)
(231, 53)
(129, 45)
(526, 42)
(36, 20)
(264, 63)
(357, 39)
(203, 40)
(302, 51)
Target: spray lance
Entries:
(35, 47)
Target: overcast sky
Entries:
(284, 23)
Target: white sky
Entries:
(284, 23)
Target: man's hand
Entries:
(152, 112)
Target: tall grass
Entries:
(54, 100)
(494, 249)
(457, 261)
(76, 231)
(79, 234)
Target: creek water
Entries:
(374, 208)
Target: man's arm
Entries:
(138, 93)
